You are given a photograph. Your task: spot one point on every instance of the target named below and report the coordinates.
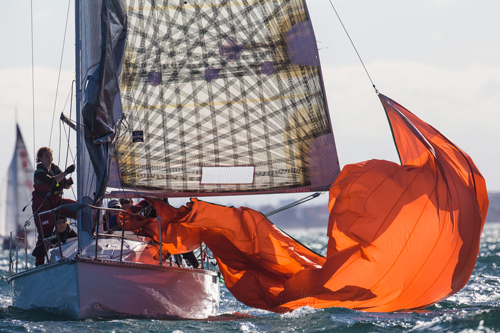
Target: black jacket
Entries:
(39, 251)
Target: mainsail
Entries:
(16, 190)
(218, 97)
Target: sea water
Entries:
(476, 308)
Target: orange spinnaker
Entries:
(401, 236)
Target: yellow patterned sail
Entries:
(222, 97)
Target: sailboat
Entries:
(208, 98)
(16, 194)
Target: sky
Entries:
(438, 58)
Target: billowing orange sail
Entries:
(401, 236)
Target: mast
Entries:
(16, 168)
(78, 47)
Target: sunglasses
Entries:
(124, 202)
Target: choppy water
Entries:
(476, 308)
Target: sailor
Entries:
(49, 182)
(126, 203)
(141, 207)
(189, 257)
(65, 233)
(112, 216)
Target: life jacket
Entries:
(44, 189)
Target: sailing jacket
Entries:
(48, 195)
(39, 250)
(45, 183)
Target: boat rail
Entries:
(126, 216)
(17, 238)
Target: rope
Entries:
(68, 134)
(59, 75)
(69, 151)
(59, 155)
(352, 43)
(70, 95)
(290, 236)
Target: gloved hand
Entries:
(147, 210)
(70, 169)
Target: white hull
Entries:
(84, 288)
(88, 288)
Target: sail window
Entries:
(137, 136)
(227, 174)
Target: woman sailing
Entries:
(49, 182)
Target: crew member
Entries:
(112, 215)
(126, 203)
(65, 232)
(49, 182)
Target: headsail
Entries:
(16, 190)
(222, 97)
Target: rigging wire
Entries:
(293, 204)
(69, 151)
(67, 98)
(68, 134)
(315, 195)
(59, 155)
(352, 43)
(33, 82)
(59, 75)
